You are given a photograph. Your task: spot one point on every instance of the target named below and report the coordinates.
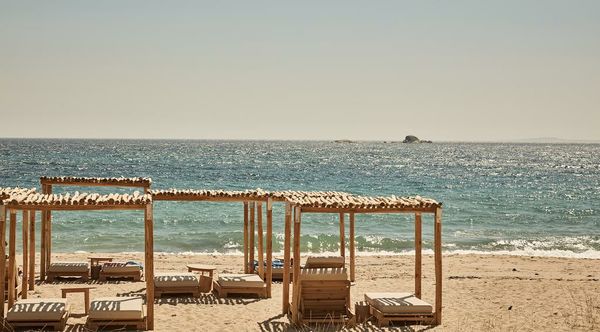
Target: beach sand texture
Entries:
(481, 293)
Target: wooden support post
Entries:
(32, 250)
(352, 252)
(269, 246)
(261, 261)
(3, 259)
(252, 205)
(48, 232)
(149, 265)
(246, 262)
(12, 239)
(342, 237)
(418, 254)
(25, 239)
(286, 259)
(43, 239)
(438, 265)
(296, 275)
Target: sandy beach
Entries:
(481, 293)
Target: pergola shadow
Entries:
(204, 299)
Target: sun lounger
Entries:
(277, 268)
(324, 262)
(176, 283)
(120, 270)
(39, 313)
(239, 284)
(323, 296)
(68, 269)
(405, 307)
(116, 311)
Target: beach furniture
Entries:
(176, 283)
(120, 270)
(116, 312)
(16, 289)
(39, 313)
(68, 269)
(240, 284)
(324, 262)
(86, 295)
(96, 265)
(277, 268)
(206, 281)
(323, 296)
(400, 307)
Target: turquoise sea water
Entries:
(531, 199)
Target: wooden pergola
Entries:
(46, 203)
(47, 184)
(353, 205)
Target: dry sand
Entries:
(481, 293)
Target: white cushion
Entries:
(117, 308)
(398, 303)
(40, 309)
(68, 267)
(240, 280)
(120, 268)
(176, 279)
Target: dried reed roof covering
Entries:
(77, 199)
(254, 194)
(73, 180)
(366, 203)
(7, 192)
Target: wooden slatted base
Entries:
(54, 325)
(96, 325)
(159, 291)
(135, 275)
(385, 319)
(225, 291)
(50, 276)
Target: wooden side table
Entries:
(205, 281)
(96, 265)
(84, 290)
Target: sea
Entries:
(498, 198)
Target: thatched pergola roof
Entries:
(7, 192)
(77, 201)
(83, 181)
(367, 204)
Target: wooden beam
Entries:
(342, 236)
(48, 233)
(411, 210)
(352, 248)
(3, 259)
(32, 250)
(296, 274)
(43, 239)
(149, 265)
(261, 261)
(286, 259)
(418, 254)
(438, 265)
(269, 247)
(25, 239)
(12, 239)
(246, 262)
(252, 205)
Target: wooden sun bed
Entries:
(68, 269)
(240, 284)
(120, 270)
(313, 262)
(399, 307)
(117, 311)
(323, 296)
(176, 283)
(39, 313)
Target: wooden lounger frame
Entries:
(384, 319)
(135, 275)
(318, 299)
(50, 276)
(220, 291)
(55, 325)
(95, 325)
(194, 290)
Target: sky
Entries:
(362, 70)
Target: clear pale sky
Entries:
(374, 70)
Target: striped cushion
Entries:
(68, 267)
(172, 279)
(117, 308)
(38, 310)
